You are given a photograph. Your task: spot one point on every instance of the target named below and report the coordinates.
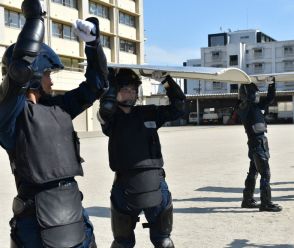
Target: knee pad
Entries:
(122, 225)
(262, 167)
(164, 222)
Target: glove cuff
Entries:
(96, 42)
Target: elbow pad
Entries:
(29, 40)
(173, 90)
(28, 43)
(32, 34)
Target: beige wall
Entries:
(127, 5)
(127, 32)
(65, 47)
(63, 13)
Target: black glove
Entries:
(173, 90)
(32, 9)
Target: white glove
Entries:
(85, 30)
(270, 80)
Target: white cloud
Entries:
(159, 56)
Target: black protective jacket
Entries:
(251, 114)
(133, 137)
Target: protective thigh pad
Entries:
(59, 213)
(259, 127)
(143, 189)
(122, 224)
(164, 222)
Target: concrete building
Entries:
(250, 50)
(122, 36)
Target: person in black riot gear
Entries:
(250, 112)
(135, 157)
(37, 132)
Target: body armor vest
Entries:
(47, 148)
(253, 120)
(133, 141)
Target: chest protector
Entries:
(47, 148)
(134, 141)
(254, 121)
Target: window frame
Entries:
(61, 32)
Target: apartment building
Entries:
(250, 50)
(122, 37)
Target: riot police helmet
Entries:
(127, 82)
(125, 77)
(249, 92)
(47, 60)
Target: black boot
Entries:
(164, 243)
(266, 204)
(248, 192)
(249, 203)
(270, 207)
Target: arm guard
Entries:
(17, 59)
(108, 103)
(28, 43)
(174, 93)
(271, 94)
(96, 62)
(173, 90)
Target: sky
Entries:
(175, 30)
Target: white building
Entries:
(255, 53)
(250, 50)
(122, 36)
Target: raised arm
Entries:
(271, 94)
(17, 68)
(96, 84)
(176, 108)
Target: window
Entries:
(289, 65)
(257, 52)
(126, 19)
(233, 60)
(98, 10)
(71, 64)
(105, 40)
(63, 31)
(216, 85)
(288, 50)
(217, 40)
(258, 67)
(128, 46)
(13, 19)
(233, 88)
(67, 3)
(216, 54)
